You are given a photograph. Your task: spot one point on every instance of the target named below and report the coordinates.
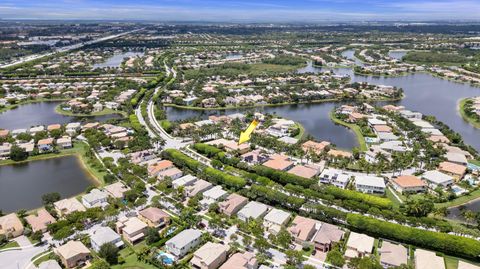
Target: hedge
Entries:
(275, 197)
(282, 177)
(382, 203)
(136, 125)
(450, 244)
(210, 174)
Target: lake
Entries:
(423, 92)
(397, 54)
(117, 59)
(22, 185)
(41, 113)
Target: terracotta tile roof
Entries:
(408, 181)
(452, 168)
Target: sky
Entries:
(274, 11)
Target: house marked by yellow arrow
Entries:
(245, 136)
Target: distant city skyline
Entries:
(242, 10)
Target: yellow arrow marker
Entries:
(245, 136)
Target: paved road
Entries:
(19, 259)
(64, 49)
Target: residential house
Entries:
(183, 242)
(254, 157)
(199, 186)
(186, 180)
(116, 190)
(246, 260)
(425, 259)
(436, 179)
(458, 158)
(39, 220)
(103, 235)
(209, 256)
(64, 142)
(172, 173)
(369, 184)
(45, 145)
(73, 254)
(52, 127)
(275, 220)
(465, 265)
(132, 229)
(11, 226)
(67, 206)
(408, 184)
(279, 162)
(339, 153)
(303, 171)
(154, 217)
(50, 264)
(303, 229)
(96, 198)
(359, 245)
(315, 147)
(253, 210)
(392, 255)
(453, 169)
(5, 150)
(335, 177)
(326, 236)
(232, 204)
(213, 195)
(158, 167)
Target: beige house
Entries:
(154, 217)
(132, 229)
(303, 229)
(425, 259)
(275, 220)
(116, 190)
(40, 220)
(73, 254)
(359, 245)
(68, 206)
(232, 204)
(209, 256)
(392, 255)
(245, 260)
(11, 226)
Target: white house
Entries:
(436, 178)
(183, 242)
(213, 195)
(275, 220)
(369, 184)
(96, 198)
(335, 177)
(254, 210)
(104, 235)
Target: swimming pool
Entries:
(166, 258)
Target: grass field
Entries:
(11, 244)
(106, 111)
(461, 109)
(355, 128)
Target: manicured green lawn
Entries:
(105, 111)
(451, 262)
(11, 244)
(392, 197)
(301, 133)
(461, 200)
(79, 149)
(355, 128)
(470, 120)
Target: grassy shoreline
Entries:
(79, 150)
(355, 128)
(106, 111)
(470, 120)
(282, 104)
(30, 101)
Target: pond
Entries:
(397, 54)
(22, 185)
(117, 59)
(41, 113)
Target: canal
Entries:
(22, 185)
